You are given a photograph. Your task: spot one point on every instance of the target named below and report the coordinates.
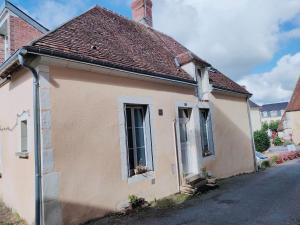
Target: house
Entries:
(255, 116)
(104, 107)
(290, 122)
(272, 112)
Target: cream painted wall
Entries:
(232, 137)
(17, 182)
(294, 124)
(255, 119)
(86, 141)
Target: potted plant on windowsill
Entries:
(140, 170)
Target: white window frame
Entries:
(211, 145)
(20, 153)
(6, 47)
(150, 146)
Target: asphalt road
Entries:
(270, 197)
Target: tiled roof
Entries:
(274, 107)
(294, 104)
(253, 104)
(102, 37)
(219, 80)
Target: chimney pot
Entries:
(142, 11)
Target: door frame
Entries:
(194, 143)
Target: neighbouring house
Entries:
(255, 116)
(290, 122)
(272, 112)
(104, 107)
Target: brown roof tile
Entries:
(219, 80)
(101, 36)
(294, 104)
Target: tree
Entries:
(261, 140)
(273, 126)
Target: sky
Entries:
(256, 43)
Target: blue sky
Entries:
(254, 42)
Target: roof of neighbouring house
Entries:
(294, 104)
(253, 104)
(102, 37)
(14, 9)
(274, 107)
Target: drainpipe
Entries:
(252, 138)
(37, 142)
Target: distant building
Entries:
(272, 112)
(290, 122)
(255, 116)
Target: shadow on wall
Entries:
(114, 80)
(232, 137)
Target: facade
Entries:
(255, 114)
(120, 114)
(272, 112)
(290, 122)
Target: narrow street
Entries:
(271, 197)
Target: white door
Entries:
(184, 119)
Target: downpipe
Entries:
(37, 135)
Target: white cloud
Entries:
(53, 13)
(235, 36)
(277, 84)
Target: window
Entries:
(273, 113)
(206, 133)
(6, 48)
(24, 138)
(138, 137)
(265, 114)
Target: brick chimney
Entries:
(142, 11)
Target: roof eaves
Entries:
(73, 57)
(222, 89)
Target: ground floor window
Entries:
(24, 137)
(206, 133)
(138, 137)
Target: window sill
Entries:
(141, 177)
(22, 155)
(209, 157)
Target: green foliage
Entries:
(265, 164)
(171, 201)
(265, 126)
(273, 126)
(277, 141)
(274, 159)
(261, 140)
(135, 201)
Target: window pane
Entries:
(24, 136)
(141, 156)
(183, 132)
(138, 117)
(140, 140)
(128, 117)
(203, 124)
(131, 158)
(129, 138)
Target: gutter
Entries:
(219, 89)
(37, 136)
(107, 65)
(252, 138)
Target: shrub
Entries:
(274, 159)
(261, 140)
(277, 141)
(135, 201)
(265, 126)
(265, 164)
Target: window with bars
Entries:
(138, 137)
(206, 133)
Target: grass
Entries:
(7, 217)
(170, 202)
